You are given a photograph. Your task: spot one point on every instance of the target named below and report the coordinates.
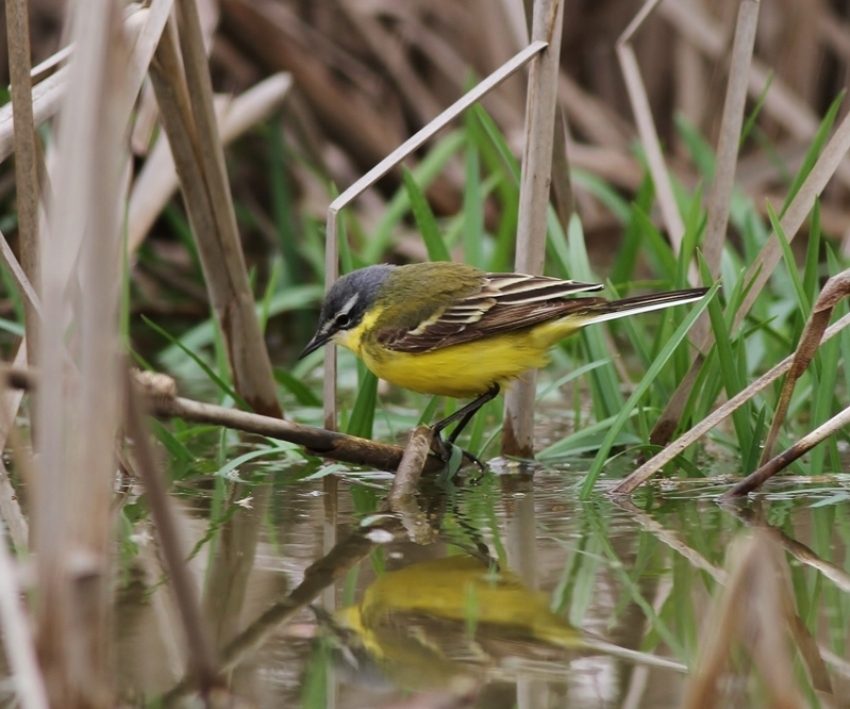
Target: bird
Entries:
(454, 330)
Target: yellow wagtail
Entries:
(451, 329)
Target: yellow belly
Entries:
(465, 370)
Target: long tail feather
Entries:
(613, 309)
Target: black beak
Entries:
(318, 340)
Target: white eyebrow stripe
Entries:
(349, 304)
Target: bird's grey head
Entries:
(346, 303)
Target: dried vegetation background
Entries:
(348, 82)
(369, 74)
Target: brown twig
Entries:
(835, 289)
(162, 401)
(328, 444)
(410, 468)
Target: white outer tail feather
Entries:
(644, 308)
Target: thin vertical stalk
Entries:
(331, 275)
(26, 156)
(189, 120)
(648, 133)
(78, 425)
(727, 145)
(730, 133)
(17, 637)
(517, 433)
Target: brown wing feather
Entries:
(505, 302)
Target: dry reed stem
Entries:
(26, 156)
(835, 289)
(648, 133)
(784, 459)
(761, 268)
(21, 279)
(383, 167)
(753, 609)
(220, 249)
(654, 464)
(540, 124)
(730, 135)
(218, 245)
(46, 98)
(48, 93)
(17, 636)
(77, 427)
(157, 180)
(155, 19)
(201, 658)
(727, 150)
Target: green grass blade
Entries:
(425, 173)
(214, 377)
(425, 220)
(790, 263)
(624, 414)
(814, 151)
(362, 418)
(303, 394)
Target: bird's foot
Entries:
(454, 455)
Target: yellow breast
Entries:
(461, 371)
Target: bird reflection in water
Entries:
(448, 623)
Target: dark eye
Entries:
(342, 321)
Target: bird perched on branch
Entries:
(454, 330)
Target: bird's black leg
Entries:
(464, 414)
